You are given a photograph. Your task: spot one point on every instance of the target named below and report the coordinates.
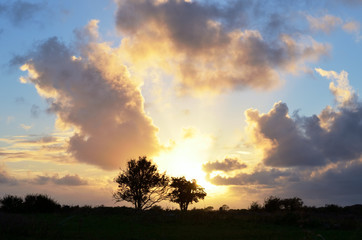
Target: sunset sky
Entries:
(250, 98)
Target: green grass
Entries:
(127, 224)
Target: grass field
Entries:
(123, 223)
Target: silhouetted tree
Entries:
(209, 208)
(224, 208)
(11, 203)
(291, 204)
(332, 208)
(40, 203)
(255, 206)
(272, 203)
(185, 192)
(141, 184)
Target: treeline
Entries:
(40, 203)
(32, 203)
(295, 204)
(274, 203)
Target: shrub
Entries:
(40, 203)
(156, 208)
(292, 204)
(255, 206)
(209, 208)
(11, 203)
(272, 204)
(224, 208)
(332, 208)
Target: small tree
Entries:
(141, 184)
(185, 192)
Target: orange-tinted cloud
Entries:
(228, 164)
(93, 94)
(67, 180)
(208, 47)
(327, 23)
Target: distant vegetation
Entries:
(18, 221)
(33, 203)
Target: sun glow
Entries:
(186, 159)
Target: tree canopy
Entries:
(185, 192)
(141, 184)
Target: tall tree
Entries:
(141, 184)
(185, 192)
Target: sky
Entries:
(250, 98)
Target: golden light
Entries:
(186, 159)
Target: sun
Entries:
(186, 159)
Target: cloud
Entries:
(20, 12)
(340, 88)
(36, 148)
(317, 158)
(263, 178)
(332, 136)
(352, 27)
(35, 111)
(67, 180)
(281, 139)
(189, 132)
(228, 164)
(26, 127)
(327, 23)
(94, 94)
(339, 184)
(208, 47)
(5, 178)
(39, 140)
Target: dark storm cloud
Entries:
(340, 184)
(226, 165)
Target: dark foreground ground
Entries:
(124, 223)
